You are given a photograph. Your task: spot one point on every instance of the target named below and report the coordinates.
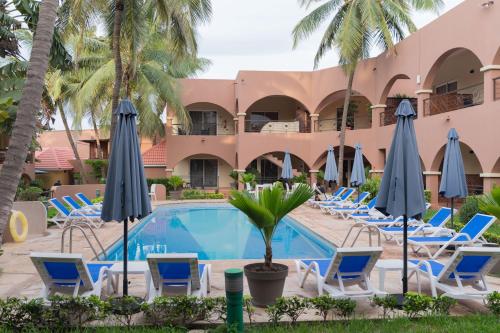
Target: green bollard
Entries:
(234, 297)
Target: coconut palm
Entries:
(179, 18)
(24, 125)
(490, 203)
(353, 27)
(267, 211)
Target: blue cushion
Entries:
(397, 229)
(68, 271)
(177, 271)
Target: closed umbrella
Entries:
(126, 195)
(331, 173)
(453, 183)
(402, 188)
(358, 177)
(286, 171)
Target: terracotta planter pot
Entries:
(175, 195)
(265, 286)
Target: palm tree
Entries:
(490, 203)
(24, 125)
(355, 26)
(179, 18)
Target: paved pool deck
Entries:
(18, 276)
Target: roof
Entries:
(56, 158)
(156, 155)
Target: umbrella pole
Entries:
(451, 213)
(405, 254)
(125, 257)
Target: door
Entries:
(204, 172)
(203, 122)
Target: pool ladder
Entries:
(80, 228)
(362, 227)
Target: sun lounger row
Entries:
(83, 213)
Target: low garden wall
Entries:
(88, 189)
(35, 213)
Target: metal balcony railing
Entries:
(276, 126)
(388, 116)
(463, 98)
(496, 89)
(353, 123)
(178, 129)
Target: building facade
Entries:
(450, 69)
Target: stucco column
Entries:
(422, 95)
(377, 109)
(235, 119)
(432, 184)
(314, 122)
(490, 73)
(314, 176)
(241, 122)
(168, 172)
(490, 180)
(169, 126)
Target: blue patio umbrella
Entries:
(126, 195)
(453, 183)
(358, 177)
(402, 188)
(331, 173)
(286, 170)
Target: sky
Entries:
(256, 35)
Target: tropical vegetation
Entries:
(353, 28)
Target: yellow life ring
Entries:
(17, 215)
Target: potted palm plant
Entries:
(175, 183)
(266, 280)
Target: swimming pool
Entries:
(216, 231)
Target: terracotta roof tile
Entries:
(156, 155)
(56, 158)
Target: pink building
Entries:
(450, 69)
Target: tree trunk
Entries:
(268, 258)
(72, 142)
(345, 111)
(118, 64)
(24, 125)
(100, 154)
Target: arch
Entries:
(210, 154)
(271, 163)
(207, 104)
(496, 167)
(281, 97)
(496, 58)
(433, 71)
(335, 96)
(321, 159)
(389, 85)
(471, 161)
(224, 119)
(265, 151)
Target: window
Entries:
(447, 88)
(204, 122)
(203, 172)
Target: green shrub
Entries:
(234, 175)
(441, 305)
(248, 307)
(416, 305)
(344, 307)
(98, 167)
(97, 200)
(30, 193)
(300, 179)
(36, 183)
(323, 305)
(162, 181)
(388, 303)
(429, 213)
(124, 308)
(67, 311)
(295, 306)
(197, 194)
(493, 303)
(469, 208)
(372, 185)
(20, 314)
(248, 177)
(175, 182)
(427, 195)
(320, 176)
(277, 311)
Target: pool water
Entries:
(216, 231)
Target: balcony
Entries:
(459, 99)
(276, 126)
(496, 89)
(388, 117)
(353, 123)
(178, 129)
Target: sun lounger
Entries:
(335, 202)
(68, 274)
(66, 217)
(348, 204)
(75, 205)
(346, 212)
(348, 267)
(87, 202)
(463, 275)
(178, 270)
(335, 195)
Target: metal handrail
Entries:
(362, 226)
(78, 227)
(455, 100)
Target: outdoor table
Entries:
(391, 265)
(133, 267)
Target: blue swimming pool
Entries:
(216, 231)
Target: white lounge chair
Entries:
(463, 275)
(336, 202)
(470, 234)
(347, 204)
(68, 274)
(436, 222)
(87, 202)
(65, 217)
(76, 206)
(348, 267)
(248, 188)
(152, 192)
(178, 270)
(346, 212)
(335, 195)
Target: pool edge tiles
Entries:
(216, 231)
